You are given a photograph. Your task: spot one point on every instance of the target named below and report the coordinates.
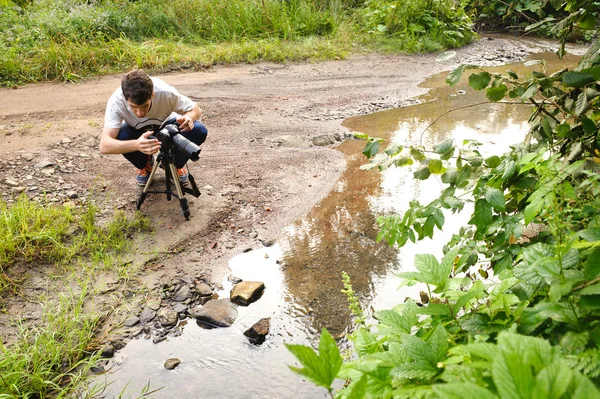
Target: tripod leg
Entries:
(182, 200)
(176, 182)
(144, 193)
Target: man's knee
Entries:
(198, 134)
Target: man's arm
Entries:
(186, 121)
(110, 145)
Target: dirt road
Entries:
(270, 154)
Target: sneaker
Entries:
(144, 173)
(183, 176)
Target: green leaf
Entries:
(417, 154)
(581, 105)
(512, 376)
(395, 320)
(371, 149)
(479, 81)
(492, 161)
(446, 55)
(435, 166)
(588, 22)
(577, 79)
(588, 125)
(563, 129)
(483, 350)
(592, 266)
(321, 368)
(482, 216)
(444, 146)
(552, 381)
(590, 234)
(422, 173)
(359, 389)
(438, 341)
(496, 93)
(465, 390)
(496, 199)
(454, 76)
(530, 92)
(591, 290)
(560, 312)
(420, 351)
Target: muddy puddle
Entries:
(302, 272)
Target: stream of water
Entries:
(302, 272)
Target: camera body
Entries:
(170, 139)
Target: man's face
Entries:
(141, 110)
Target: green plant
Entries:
(52, 359)
(508, 315)
(47, 233)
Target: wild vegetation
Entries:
(538, 315)
(52, 359)
(503, 316)
(71, 39)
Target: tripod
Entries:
(165, 160)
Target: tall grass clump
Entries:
(415, 25)
(41, 233)
(53, 359)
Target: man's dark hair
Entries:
(137, 86)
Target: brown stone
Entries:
(257, 333)
(246, 292)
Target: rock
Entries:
(118, 344)
(132, 321)
(183, 293)
(268, 243)
(246, 292)
(43, 164)
(107, 352)
(154, 303)
(168, 318)
(323, 140)
(234, 279)
(203, 289)
(28, 157)
(181, 309)
(171, 363)
(11, 182)
(65, 140)
(257, 333)
(17, 190)
(147, 315)
(216, 313)
(159, 339)
(253, 234)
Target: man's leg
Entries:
(137, 158)
(197, 135)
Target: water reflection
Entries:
(339, 233)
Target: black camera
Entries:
(170, 138)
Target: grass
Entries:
(51, 360)
(42, 233)
(69, 40)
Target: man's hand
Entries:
(185, 123)
(146, 145)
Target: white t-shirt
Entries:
(167, 102)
